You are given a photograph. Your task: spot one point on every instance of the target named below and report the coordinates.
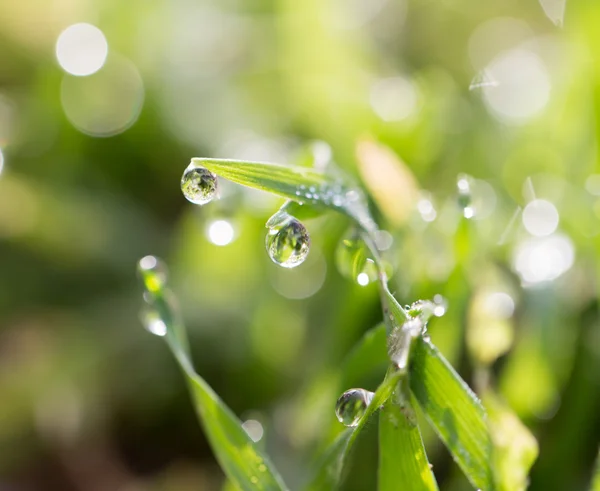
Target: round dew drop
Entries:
(352, 405)
(288, 243)
(465, 198)
(199, 185)
(152, 321)
(153, 273)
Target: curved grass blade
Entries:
(515, 448)
(300, 184)
(596, 477)
(367, 355)
(403, 463)
(454, 412)
(243, 463)
(329, 471)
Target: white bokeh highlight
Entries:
(543, 259)
(220, 232)
(81, 49)
(499, 305)
(394, 99)
(540, 218)
(522, 86)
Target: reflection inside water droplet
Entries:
(198, 184)
(351, 406)
(287, 241)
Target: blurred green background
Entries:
(97, 125)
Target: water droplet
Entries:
(351, 406)
(463, 185)
(199, 185)
(425, 309)
(352, 261)
(152, 321)
(153, 273)
(287, 241)
(254, 429)
(422, 308)
(254, 480)
(441, 305)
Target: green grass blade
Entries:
(300, 184)
(403, 463)
(368, 355)
(455, 413)
(515, 448)
(596, 477)
(329, 471)
(243, 463)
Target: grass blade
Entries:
(368, 355)
(329, 471)
(596, 477)
(300, 184)
(515, 448)
(402, 460)
(243, 463)
(455, 413)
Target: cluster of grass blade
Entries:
(451, 407)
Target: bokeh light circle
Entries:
(106, 103)
(540, 218)
(81, 49)
(522, 86)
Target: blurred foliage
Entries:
(89, 183)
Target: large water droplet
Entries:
(152, 321)
(351, 406)
(352, 261)
(287, 241)
(153, 273)
(199, 185)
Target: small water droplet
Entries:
(254, 429)
(262, 468)
(441, 305)
(352, 261)
(254, 480)
(351, 406)
(199, 185)
(153, 273)
(423, 309)
(287, 241)
(463, 186)
(152, 321)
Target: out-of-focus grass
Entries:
(90, 401)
